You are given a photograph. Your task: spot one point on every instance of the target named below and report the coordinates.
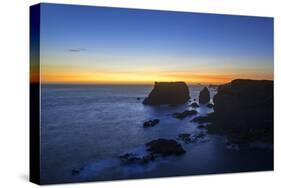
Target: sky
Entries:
(84, 44)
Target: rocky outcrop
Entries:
(210, 105)
(184, 114)
(165, 147)
(129, 158)
(243, 110)
(151, 123)
(172, 93)
(239, 96)
(154, 149)
(194, 105)
(204, 119)
(204, 96)
(191, 138)
(186, 137)
(76, 172)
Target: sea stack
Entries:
(244, 110)
(171, 93)
(240, 96)
(204, 96)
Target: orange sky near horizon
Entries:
(148, 77)
(146, 71)
(91, 69)
(193, 71)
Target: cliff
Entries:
(243, 111)
(172, 93)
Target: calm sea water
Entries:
(88, 126)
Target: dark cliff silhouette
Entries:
(172, 93)
(243, 110)
(204, 96)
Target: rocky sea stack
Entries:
(240, 96)
(243, 110)
(204, 96)
(172, 93)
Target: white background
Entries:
(14, 95)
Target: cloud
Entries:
(77, 49)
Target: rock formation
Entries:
(243, 110)
(210, 105)
(204, 96)
(172, 93)
(184, 114)
(191, 138)
(240, 96)
(194, 105)
(129, 158)
(165, 147)
(154, 149)
(151, 123)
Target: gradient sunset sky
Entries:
(82, 44)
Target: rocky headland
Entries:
(243, 111)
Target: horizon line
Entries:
(139, 83)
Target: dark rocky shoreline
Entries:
(243, 109)
(243, 112)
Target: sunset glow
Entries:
(120, 46)
(146, 77)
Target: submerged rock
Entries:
(172, 93)
(186, 137)
(165, 147)
(184, 114)
(191, 138)
(194, 105)
(199, 136)
(129, 158)
(204, 96)
(151, 123)
(203, 119)
(75, 172)
(210, 105)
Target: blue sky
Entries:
(114, 40)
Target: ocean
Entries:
(86, 127)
